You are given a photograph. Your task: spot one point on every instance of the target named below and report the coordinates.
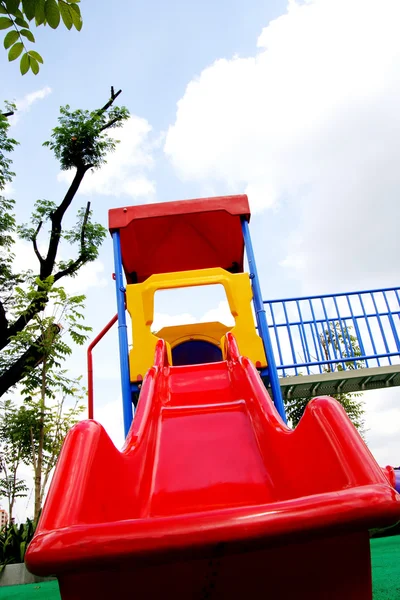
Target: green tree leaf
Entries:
(29, 8)
(36, 56)
(24, 64)
(40, 16)
(12, 5)
(15, 51)
(28, 34)
(34, 65)
(65, 14)
(18, 13)
(11, 38)
(21, 22)
(52, 13)
(76, 16)
(5, 22)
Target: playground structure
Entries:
(213, 495)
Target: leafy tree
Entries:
(11, 449)
(44, 427)
(35, 430)
(80, 142)
(7, 220)
(12, 488)
(16, 17)
(347, 347)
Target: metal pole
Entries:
(122, 335)
(262, 323)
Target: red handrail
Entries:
(90, 362)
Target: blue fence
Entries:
(335, 332)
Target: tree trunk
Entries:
(37, 493)
(10, 509)
(28, 360)
(39, 461)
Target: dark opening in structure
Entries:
(195, 352)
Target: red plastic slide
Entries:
(214, 497)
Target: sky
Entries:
(293, 103)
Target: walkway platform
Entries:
(340, 382)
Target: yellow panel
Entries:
(140, 304)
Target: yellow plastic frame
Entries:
(140, 304)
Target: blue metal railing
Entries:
(346, 331)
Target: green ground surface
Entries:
(34, 591)
(385, 554)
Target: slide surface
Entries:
(207, 459)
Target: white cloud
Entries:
(382, 420)
(220, 313)
(24, 104)
(164, 320)
(8, 189)
(24, 257)
(309, 123)
(89, 276)
(126, 171)
(110, 415)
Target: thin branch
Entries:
(33, 450)
(34, 242)
(84, 223)
(81, 258)
(56, 220)
(3, 319)
(69, 270)
(7, 114)
(110, 123)
(111, 100)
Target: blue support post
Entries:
(262, 322)
(122, 335)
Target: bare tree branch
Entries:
(84, 224)
(110, 123)
(111, 100)
(3, 319)
(34, 242)
(81, 258)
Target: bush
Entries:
(14, 540)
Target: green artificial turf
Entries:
(48, 590)
(385, 556)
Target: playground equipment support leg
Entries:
(122, 334)
(262, 323)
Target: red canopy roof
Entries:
(181, 236)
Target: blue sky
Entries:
(293, 103)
